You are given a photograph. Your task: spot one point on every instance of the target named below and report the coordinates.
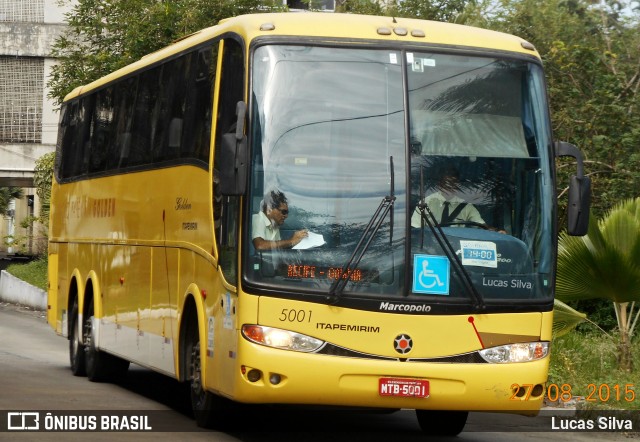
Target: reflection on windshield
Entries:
(325, 122)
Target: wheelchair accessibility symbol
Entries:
(431, 274)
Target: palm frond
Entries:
(565, 318)
(576, 276)
(621, 231)
(606, 262)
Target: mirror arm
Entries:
(564, 149)
(241, 111)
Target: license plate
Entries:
(403, 387)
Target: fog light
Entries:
(254, 375)
(275, 378)
(538, 390)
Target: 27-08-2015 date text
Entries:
(594, 393)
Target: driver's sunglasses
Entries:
(283, 211)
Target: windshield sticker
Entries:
(418, 64)
(393, 58)
(479, 253)
(431, 274)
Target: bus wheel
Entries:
(442, 423)
(210, 410)
(101, 366)
(76, 349)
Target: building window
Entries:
(21, 95)
(31, 11)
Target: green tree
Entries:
(42, 178)
(7, 194)
(104, 35)
(591, 53)
(605, 264)
(445, 10)
(590, 48)
(365, 7)
(454, 11)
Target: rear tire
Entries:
(442, 423)
(100, 366)
(76, 348)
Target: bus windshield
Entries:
(338, 131)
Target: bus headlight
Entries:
(279, 338)
(524, 352)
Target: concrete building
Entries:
(28, 119)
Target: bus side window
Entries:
(120, 134)
(102, 121)
(197, 115)
(168, 111)
(141, 132)
(231, 91)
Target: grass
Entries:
(586, 364)
(34, 272)
(583, 363)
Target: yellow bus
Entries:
(254, 211)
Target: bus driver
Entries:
(448, 208)
(265, 231)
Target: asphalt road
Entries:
(35, 377)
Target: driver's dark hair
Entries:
(450, 171)
(273, 200)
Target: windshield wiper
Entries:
(385, 206)
(426, 215)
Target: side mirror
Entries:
(579, 192)
(234, 157)
(578, 208)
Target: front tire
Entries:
(442, 423)
(210, 410)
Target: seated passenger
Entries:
(265, 230)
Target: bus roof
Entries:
(335, 26)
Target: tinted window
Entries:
(158, 117)
(101, 127)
